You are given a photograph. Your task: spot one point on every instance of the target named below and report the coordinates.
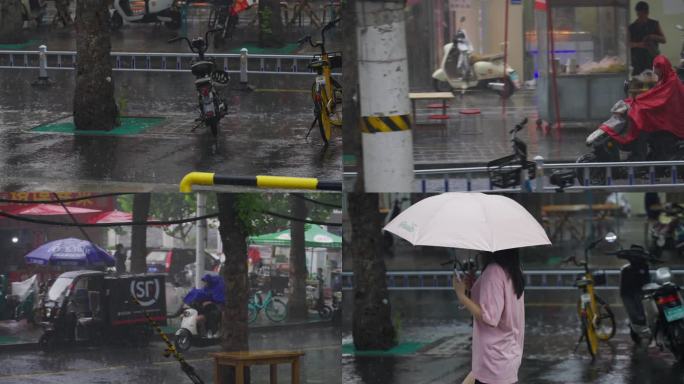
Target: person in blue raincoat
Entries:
(207, 301)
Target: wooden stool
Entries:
(240, 360)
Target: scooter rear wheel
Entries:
(509, 88)
(325, 312)
(441, 86)
(47, 342)
(183, 340)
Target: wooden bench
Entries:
(443, 96)
(240, 360)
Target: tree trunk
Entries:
(297, 307)
(11, 21)
(94, 105)
(372, 323)
(141, 211)
(234, 330)
(270, 24)
(351, 131)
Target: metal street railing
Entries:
(562, 279)
(647, 172)
(163, 62)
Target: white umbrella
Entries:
(469, 221)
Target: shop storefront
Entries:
(17, 238)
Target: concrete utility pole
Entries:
(200, 239)
(384, 96)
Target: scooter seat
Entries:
(202, 81)
(650, 288)
(474, 58)
(582, 282)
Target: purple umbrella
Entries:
(69, 252)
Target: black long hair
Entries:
(509, 260)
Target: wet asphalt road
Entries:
(147, 365)
(263, 133)
(549, 357)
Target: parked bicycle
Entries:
(597, 320)
(326, 92)
(275, 309)
(225, 16)
(212, 106)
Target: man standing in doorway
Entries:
(644, 36)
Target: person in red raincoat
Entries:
(662, 107)
(659, 109)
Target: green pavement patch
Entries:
(256, 49)
(349, 160)
(19, 46)
(403, 349)
(9, 340)
(129, 126)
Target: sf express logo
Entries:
(146, 291)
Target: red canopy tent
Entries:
(110, 217)
(48, 210)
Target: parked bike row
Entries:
(655, 307)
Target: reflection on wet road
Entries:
(147, 365)
(264, 133)
(549, 357)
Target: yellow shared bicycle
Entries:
(326, 92)
(597, 320)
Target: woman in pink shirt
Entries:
(498, 307)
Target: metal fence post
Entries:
(244, 58)
(539, 177)
(43, 78)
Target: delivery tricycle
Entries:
(93, 307)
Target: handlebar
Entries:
(518, 127)
(573, 259)
(193, 49)
(635, 252)
(327, 27)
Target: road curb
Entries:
(33, 345)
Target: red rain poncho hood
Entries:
(659, 109)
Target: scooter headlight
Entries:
(186, 313)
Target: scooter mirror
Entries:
(610, 237)
(463, 19)
(679, 27)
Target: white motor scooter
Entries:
(461, 69)
(188, 334)
(145, 11)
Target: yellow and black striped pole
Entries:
(259, 181)
(170, 348)
(383, 81)
(376, 124)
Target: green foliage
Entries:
(123, 105)
(265, 21)
(172, 206)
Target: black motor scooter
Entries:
(212, 106)
(509, 171)
(654, 146)
(655, 309)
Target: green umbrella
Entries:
(314, 236)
